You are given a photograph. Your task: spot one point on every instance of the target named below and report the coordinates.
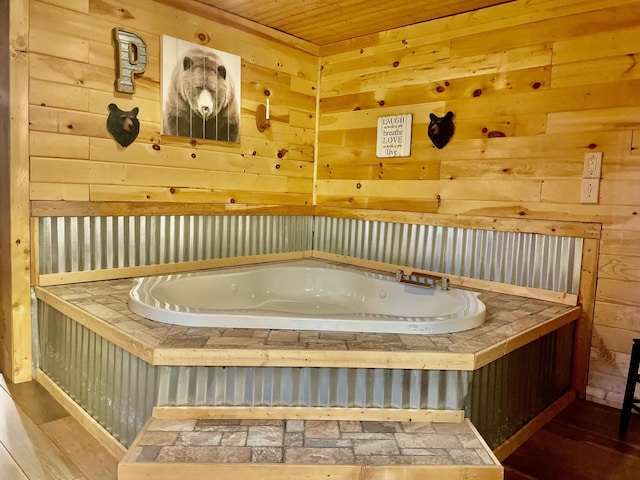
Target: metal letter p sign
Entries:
(131, 58)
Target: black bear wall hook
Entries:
(441, 129)
(124, 126)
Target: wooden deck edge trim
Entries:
(41, 208)
(484, 443)
(526, 432)
(310, 413)
(584, 327)
(46, 208)
(127, 342)
(558, 228)
(456, 280)
(419, 360)
(488, 355)
(65, 278)
(96, 430)
(270, 471)
(134, 445)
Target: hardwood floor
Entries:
(581, 443)
(39, 440)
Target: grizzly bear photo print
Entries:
(200, 91)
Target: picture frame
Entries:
(200, 91)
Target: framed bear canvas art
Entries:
(200, 91)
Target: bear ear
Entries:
(222, 71)
(186, 63)
(449, 115)
(433, 117)
(135, 111)
(113, 107)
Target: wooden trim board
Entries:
(547, 227)
(307, 413)
(194, 471)
(63, 278)
(313, 358)
(96, 430)
(584, 327)
(526, 432)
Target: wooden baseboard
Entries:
(526, 432)
(96, 430)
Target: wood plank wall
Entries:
(557, 79)
(533, 86)
(15, 299)
(72, 73)
(5, 219)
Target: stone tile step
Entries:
(281, 449)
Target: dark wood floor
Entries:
(581, 443)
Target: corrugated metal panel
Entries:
(119, 390)
(526, 259)
(313, 387)
(509, 392)
(69, 244)
(116, 388)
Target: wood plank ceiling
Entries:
(323, 22)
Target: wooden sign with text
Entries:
(394, 136)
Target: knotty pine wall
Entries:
(5, 213)
(73, 157)
(533, 85)
(556, 78)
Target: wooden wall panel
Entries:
(15, 253)
(533, 86)
(72, 75)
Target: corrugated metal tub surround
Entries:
(516, 258)
(72, 244)
(114, 384)
(76, 244)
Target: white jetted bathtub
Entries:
(304, 295)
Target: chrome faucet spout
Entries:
(399, 275)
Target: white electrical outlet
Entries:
(590, 190)
(592, 165)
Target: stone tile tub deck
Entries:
(511, 321)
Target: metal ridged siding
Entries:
(119, 390)
(116, 388)
(313, 387)
(71, 244)
(525, 259)
(511, 391)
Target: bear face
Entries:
(124, 126)
(440, 129)
(203, 83)
(201, 100)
